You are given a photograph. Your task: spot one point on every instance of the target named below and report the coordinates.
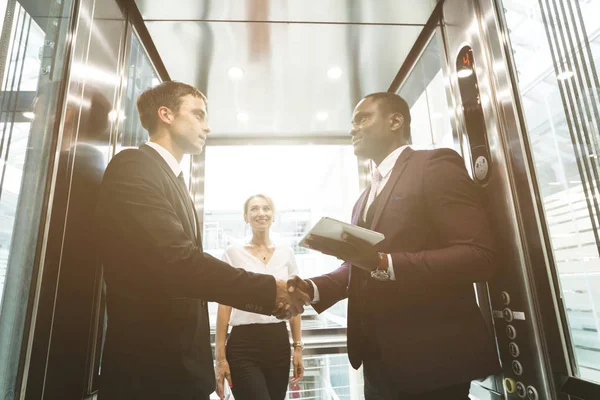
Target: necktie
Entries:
(181, 181)
(375, 182)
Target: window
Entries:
(425, 92)
(560, 107)
(306, 182)
(31, 80)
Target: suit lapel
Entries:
(183, 193)
(387, 190)
(360, 206)
(198, 235)
(358, 211)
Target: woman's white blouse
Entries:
(282, 266)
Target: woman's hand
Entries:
(222, 371)
(298, 365)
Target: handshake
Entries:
(292, 296)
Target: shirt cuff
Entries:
(316, 297)
(391, 271)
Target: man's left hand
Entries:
(351, 249)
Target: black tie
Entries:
(181, 181)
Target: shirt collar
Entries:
(386, 166)
(167, 156)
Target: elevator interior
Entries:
(512, 86)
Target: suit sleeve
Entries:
(134, 210)
(332, 287)
(458, 217)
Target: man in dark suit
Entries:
(158, 279)
(413, 321)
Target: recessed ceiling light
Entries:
(565, 75)
(236, 73)
(29, 115)
(334, 73)
(322, 116)
(464, 73)
(242, 116)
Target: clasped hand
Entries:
(289, 303)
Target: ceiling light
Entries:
(236, 73)
(242, 116)
(322, 116)
(29, 115)
(334, 73)
(464, 73)
(566, 74)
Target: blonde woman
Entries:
(255, 359)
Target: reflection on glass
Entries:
(565, 172)
(30, 87)
(306, 182)
(425, 92)
(141, 75)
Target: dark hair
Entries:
(167, 94)
(394, 104)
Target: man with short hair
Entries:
(158, 279)
(413, 321)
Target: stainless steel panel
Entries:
(509, 189)
(331, 11)
(64, 338)
(285, 88)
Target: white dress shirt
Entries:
(282, 265)
(385, 170)
(167, 156)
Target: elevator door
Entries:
(524, 88)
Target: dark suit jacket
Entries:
(426, 325)
(158, 281)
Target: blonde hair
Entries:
(263, 196)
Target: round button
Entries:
(509, 385)
(511, 332)
(521, 390)
(532, 393)
(481, 168)
(507, 314)
(513, 348)
(517, 368)
(505, 298)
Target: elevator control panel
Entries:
(511, 323)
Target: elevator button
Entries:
(481, 168)
(517, 368)
(507, 314)
(511, 332)
(532, 393)
(521, 390)
(513, 348)
(509, 385)
(505, 298)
